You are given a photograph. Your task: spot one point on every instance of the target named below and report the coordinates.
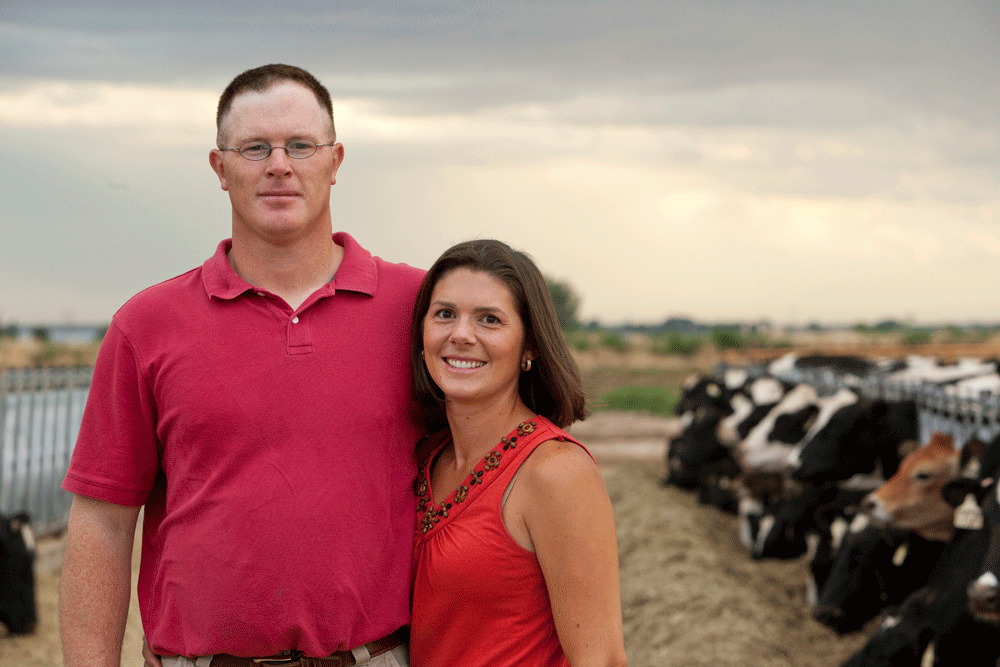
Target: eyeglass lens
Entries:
(258, 150)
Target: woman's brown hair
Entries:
(552, 387)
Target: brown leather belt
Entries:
(296, 659)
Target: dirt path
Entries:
(691, 596)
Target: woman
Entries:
(515, 558)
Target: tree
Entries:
(566, 301)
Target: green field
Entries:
(640, 390)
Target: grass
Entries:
(638, 398)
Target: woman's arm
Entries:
(567, 513)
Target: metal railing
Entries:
(40, 414)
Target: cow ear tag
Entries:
(899, 557)
(968, 515)
(928, 658)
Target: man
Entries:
(259, 409)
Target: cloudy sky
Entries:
(797, 160)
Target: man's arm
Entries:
(96, 582)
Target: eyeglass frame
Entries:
(271, 148)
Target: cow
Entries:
(900, 641)
(699, 392)
(18, 608)
(855, 436)
(701, 456)
(983, 589)
(911, 499)
(783, 524)
(695, 447)
(844, 365)
(974, 386)
(977, 503)
(757, 491)
(768, 444)
(920, 370)
(872, 568)
(750, 405)
(803, 513)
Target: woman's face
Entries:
(473, 338)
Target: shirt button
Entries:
(260, 294)
(295, 320)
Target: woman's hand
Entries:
(152, 660)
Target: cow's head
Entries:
(911, 499)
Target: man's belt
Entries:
(296, 659)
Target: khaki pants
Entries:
(397, 657)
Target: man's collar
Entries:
(357, 271)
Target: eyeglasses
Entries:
(258, 150)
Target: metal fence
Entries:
(40, 414)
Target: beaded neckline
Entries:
(430, 514)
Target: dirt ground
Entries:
(691, 596)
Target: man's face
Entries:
(278, 199)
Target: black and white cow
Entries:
(767, 446)
(696, 447)
(18, 609)
(983, 590)
(921, 370)
(701, 455)
(842, 365)
(700, 391)
(856, 436)
(872, 568)
(851, 441)
(979, 501)
(900, 641)
(803, 519)
(750, 405)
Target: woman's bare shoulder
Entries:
(559, 464)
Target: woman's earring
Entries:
(526, 365)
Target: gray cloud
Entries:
(892, 102)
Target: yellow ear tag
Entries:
(968, 516)
(899, 557)
(928, 658)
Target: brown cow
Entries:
(911, 499)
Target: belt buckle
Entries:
(293, 656)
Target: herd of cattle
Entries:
(889, 525)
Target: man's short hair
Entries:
(261, 78)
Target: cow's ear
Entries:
(955, 491)
(907, 447)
